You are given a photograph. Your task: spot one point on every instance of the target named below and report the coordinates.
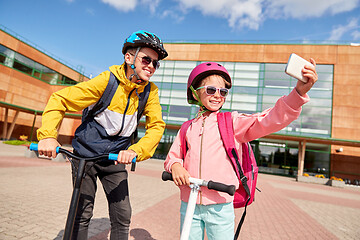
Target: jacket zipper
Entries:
(201, 145)
(126, 108)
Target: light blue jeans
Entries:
(217, 219)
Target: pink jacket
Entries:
(206, 157)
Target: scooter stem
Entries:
(190, 211)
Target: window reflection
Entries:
(28, 66)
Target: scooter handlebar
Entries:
(112, 156)
(34, 147)
(230, 189)
(166, 176)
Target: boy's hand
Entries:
(47, 147)
(180, 175)
(126, 156)
(309, 72)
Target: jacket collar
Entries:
(119, 72)
(211, 116)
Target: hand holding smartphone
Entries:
(295, 65)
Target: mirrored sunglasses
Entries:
(211, 90)
(147, 60)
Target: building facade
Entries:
(326, 135)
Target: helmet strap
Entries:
(198, 102)
(139, 80)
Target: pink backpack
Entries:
(246, 171)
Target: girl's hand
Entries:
(180, 175)
(309, 72)
(126, 156)
(47, 147)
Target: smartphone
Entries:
(294, 67)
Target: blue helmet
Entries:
(145, 39)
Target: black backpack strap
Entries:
(227, 132)
(143, 97)
(105, 99)
(243, 180)
(241, 221)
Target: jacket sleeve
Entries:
(70, 99)
(155, 125)
(175, 154)
(286, 110)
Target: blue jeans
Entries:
(217, 219)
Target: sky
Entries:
(89, 34)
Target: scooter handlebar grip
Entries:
(229, 189)
(114, 157)
(166, 176)
(33, 147)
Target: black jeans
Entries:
(115, 184)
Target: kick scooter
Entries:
(77, 183)
(195, 185)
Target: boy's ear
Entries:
(127, 58)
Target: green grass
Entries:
(17, 142)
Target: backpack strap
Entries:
(143, 97)
(227, 134)
(183, 129)
(105, 99)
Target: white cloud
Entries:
(307, 8)
(152, 4)
(122, 5)
(339, 30)
(251, 13)
(172, 14)
(239, 13)
(356, 35)
(90, 11)
(130, 5)
(244, 13)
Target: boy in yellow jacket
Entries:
(110, 131)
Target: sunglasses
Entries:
(211, 90)
(146, 60)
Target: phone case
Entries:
(294, 67)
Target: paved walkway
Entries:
(35, 194)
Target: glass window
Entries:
(31, 67)
(243, 89)
(2, 58)
(256, 87)
(68, 81)
(3, 49)
(276, 91)
(50, 76)
(24, 60)
(22, 67)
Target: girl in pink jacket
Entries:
(206, 158)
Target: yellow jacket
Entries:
(82, 95)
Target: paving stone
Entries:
(35, 195)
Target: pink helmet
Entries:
(202, 71)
